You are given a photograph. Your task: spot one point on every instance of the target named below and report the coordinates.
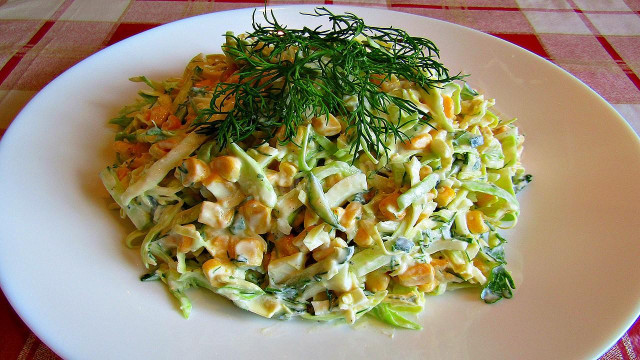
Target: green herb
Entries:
(244, 294)
(254, 277)
(496, 253)
(289, 75)
(520, 182)
(402, 244)
(121, 120)
(150, 277)
(500, 285)
(238, 225)
(149, 99)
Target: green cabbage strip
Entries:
(492, 190)
(385, 313)
(140, 217)
(252, 179)
(154, 174)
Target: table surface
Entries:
(598, 41)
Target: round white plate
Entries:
(574, 254)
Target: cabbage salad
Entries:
(325, 174)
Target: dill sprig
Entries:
(289, 75)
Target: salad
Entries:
(323, 173)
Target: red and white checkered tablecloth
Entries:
(598, 41)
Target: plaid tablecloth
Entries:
(596, 40)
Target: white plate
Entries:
(574, 254)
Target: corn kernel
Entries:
(389, 207)
(362, 238)
(257, 216)
(216, 271)
(377, 281)
(445, 195)
(287, 172)
(485, 199)
(424, 171)
(418, 274)
(129, 150)
(186, 243)
(158, 114)
(475, 222)
(215, 215)
(352, 212)
(500, 129)
(248, 251)
(197, 170)
(439, 263)
(285, 247)
(447, 102)
(418, 142)
(324, 251)
(326, 127)
(428, 287)
(228, 167)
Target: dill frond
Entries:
(289, 75)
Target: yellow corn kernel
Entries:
(418, 142)
(158, 114)
(326, 127)
(438, 134)
(475, 222)
(248, 251)
(218, 247)
(500, 129)
(447, 102)
(362, 238)
(439, 263)
(228, 167)
(286, 174)
(197, 170)
(428, 287)
(418, 274)
(129, 150)
(285, 247)
(216, 271)
(377, 281)
(352, 212)
(257, 216)
(485, 199)
(424, 171)
(389, 207)
(185, 244)
(445, 195)
(215, 215)
(320, 253)
(210, 265)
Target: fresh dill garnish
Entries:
(287, 76)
